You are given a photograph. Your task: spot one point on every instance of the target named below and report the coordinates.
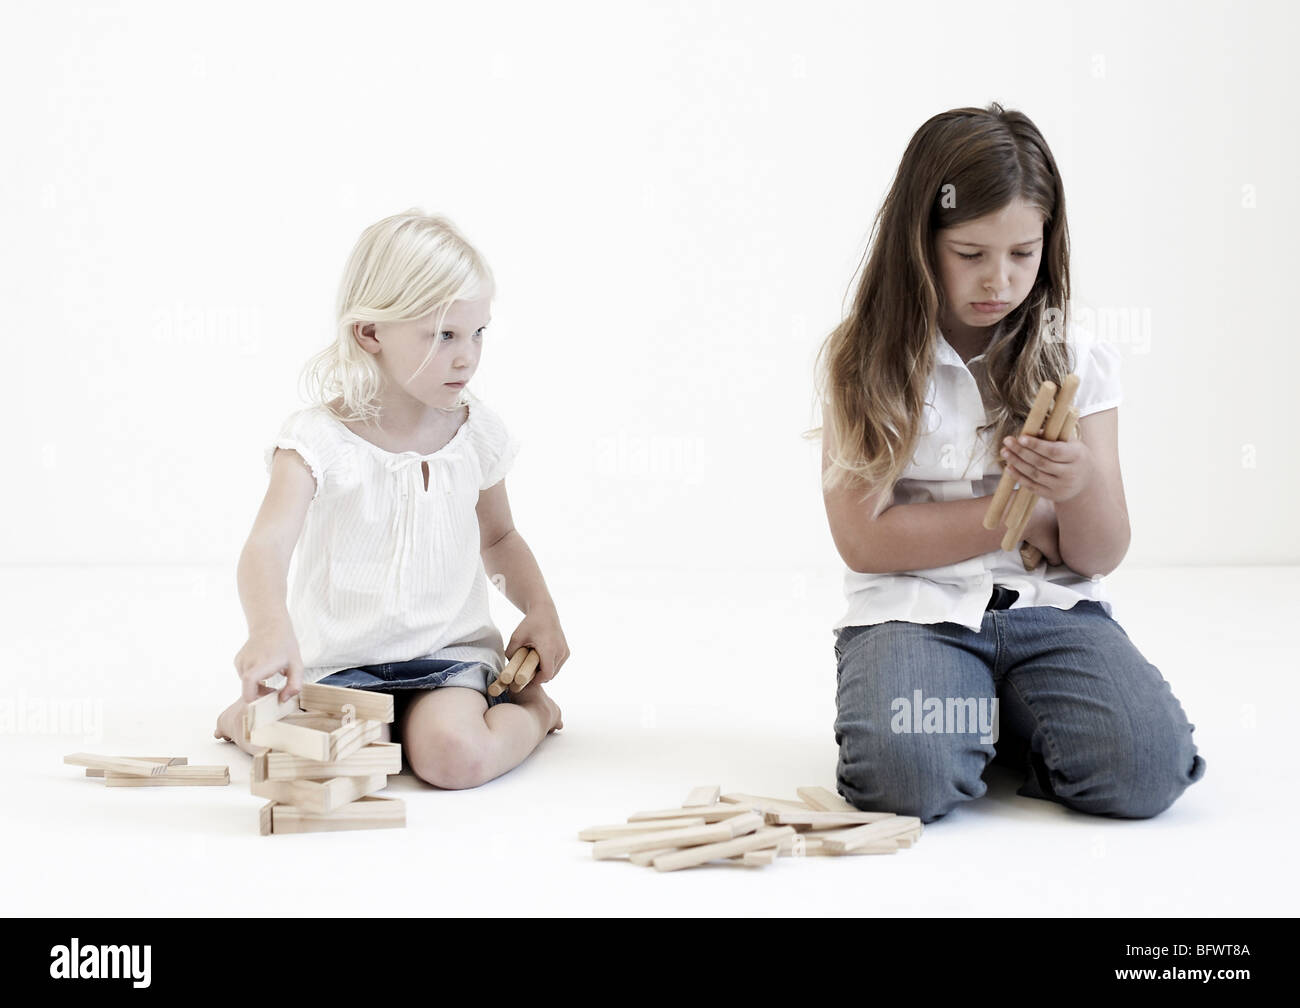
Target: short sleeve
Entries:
(302, 432)
(495, 445)
(1097, 363)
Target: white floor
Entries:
(668, 688)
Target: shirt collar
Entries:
(945, 354)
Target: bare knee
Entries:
(448, 757)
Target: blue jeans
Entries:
(405, 680)
(1088, 721)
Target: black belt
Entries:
(1001, 598)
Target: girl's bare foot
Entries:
(534, 699)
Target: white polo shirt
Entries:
(955, 462)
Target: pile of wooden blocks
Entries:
(750, 830)
(148, 771)
(323, 760)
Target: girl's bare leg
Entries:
(452, 739)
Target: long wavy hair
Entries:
(402, 268)
(874, 369)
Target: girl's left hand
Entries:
(540, 630)
(1055, 470)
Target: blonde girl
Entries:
(391, 489)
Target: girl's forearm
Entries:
(511, 566)
(1092, 530)
(262, 580)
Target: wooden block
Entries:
(647, 857)
(117, 764)
(676, 839)
(685, 837)
(705, 795)
(305, 742)
(825, 820)
(316, 743)
(628, 829)
(258, 772)
(824, 800)
(370, 812)
(266, 709)
(311, 719)
(264, 818)
(507, 674)
(368, 705)
(758, 858)
(865, 835)
(181, 776)
(526, 671)
(164, 760)
(759, 803)
(352, 738)
(768, 836)
(320, 796)
(376, 757)
(710, 813)
(816, 847)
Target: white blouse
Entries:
(385, 571)
(955, 462)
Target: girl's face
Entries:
(988, 265)
(453, 349)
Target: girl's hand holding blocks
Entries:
(540, 630)
(1054, 470)
(271, 648)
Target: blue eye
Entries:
(976, 255)
(477, 335)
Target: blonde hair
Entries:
(402, 268)
(873, 370)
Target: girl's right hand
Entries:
(1043, 531)
(270, 649)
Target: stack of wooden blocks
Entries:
(750, 830)
(323, 760)
(148, 771)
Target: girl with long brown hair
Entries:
(950, 652)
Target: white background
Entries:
(674, 199)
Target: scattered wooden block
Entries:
(824, 800)
(164, 760)
(175, 776)
(706, 795)
(759, 803)
(709, 813)
(761, 829)
(117, 764)
(685, 837)
(628, 829)
(767, 836)
(824, 820)
(865, 835)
